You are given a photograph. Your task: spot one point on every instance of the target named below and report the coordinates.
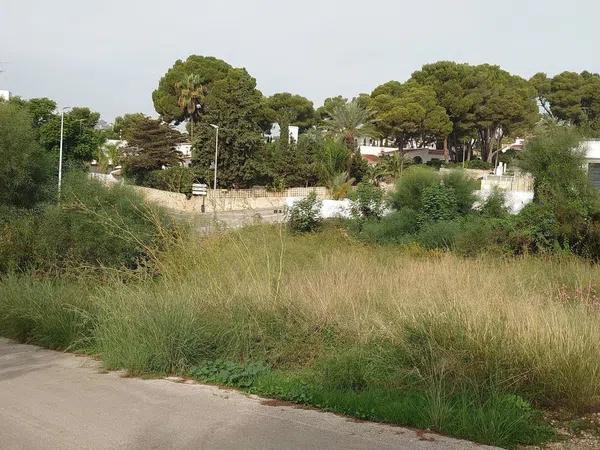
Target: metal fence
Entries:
(321, 192)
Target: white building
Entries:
(185, 148)
(5, 95)
(275, 133)
(373, 149)
(592, 159)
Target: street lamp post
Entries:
(216, 127)
(60, 153)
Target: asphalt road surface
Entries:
(52, 400)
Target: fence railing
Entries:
(523, 183)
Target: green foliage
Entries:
(324, 112)
(25, 170)
(438, 202)
(394, 228)
(235, 105)
(407, 112)
(291, 109)
(438, 235)
(533, 230)
(150, 146)
(409, 188)
(392, 166)
(41, 109)
(305, 215)
(94, 225)
(483, 102)
(229, 373)
(561, 187)
(494, 206)
(463, 188)
(478, 164)
(166, 97)
(367, 201)
(81, 140)
(126, 124)
(348, 121)
(175, 179)
(570, 96)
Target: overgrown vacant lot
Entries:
(470, 347)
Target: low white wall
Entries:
(513, 200)
(329, 208)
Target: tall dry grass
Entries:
(387, 333)
(529, 325)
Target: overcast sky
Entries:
(109, 55)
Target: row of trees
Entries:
(468, 110)
(465, 109)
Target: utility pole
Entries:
(216, 127)
(60, 152)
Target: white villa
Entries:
(4, 95)
(275, 133)
(592, 160)
(372, 149)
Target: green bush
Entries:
(25, 169)
(305, 215)
(438, 203)
(174, 179)
(463, 187)
(396, 227)
(93, 225)
(494, 206)
(439, 235)
(478, 164)
(479, 235)
(533, 230)
(410, 186)
(367, 201)
(435, 163)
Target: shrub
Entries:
(494, 206)
(439, 235)
(463, 187)
(533, 230)
(93, 225)
(174, 179)
(396, 227)
(305, 215)
(438, 203)
(367, 201)
(435, 163)
(478, 235)
(25, 170)
(410, 186)
(478, 164)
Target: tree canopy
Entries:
(409, 111)
(206, 70)
(150, 146)
(570, 96)
(81, 138)
(236, 106)
(25, 168)
(293, 109)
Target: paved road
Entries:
(54, 400)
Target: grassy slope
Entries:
(423, 339)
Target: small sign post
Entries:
(200, 189)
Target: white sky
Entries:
(109, 55)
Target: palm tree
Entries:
(348, 122)
(393, 165)
(191, 93)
